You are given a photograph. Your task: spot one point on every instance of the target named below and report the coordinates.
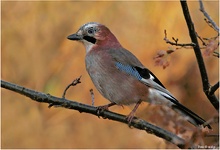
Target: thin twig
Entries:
(92, 96)
(74, 83)
(176, 41)
(203, 42)
(209, 19)
(216, 54)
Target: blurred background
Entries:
(36, 54)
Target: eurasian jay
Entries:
(120, 77)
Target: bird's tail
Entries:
(191, 116)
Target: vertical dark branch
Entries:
(196, 47)
(192, 33)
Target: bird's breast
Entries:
(114, 85)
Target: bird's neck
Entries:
(109, 42)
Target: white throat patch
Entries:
(87, 45)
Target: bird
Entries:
(120, 77)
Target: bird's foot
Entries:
(130, 117)
(101, 109)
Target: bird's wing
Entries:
(147, 77)
(128, 63)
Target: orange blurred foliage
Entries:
(37, 55)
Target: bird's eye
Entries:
(90, 31)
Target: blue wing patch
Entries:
(146, 77)
(128, 69)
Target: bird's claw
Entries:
(101, 109)
(130, 118)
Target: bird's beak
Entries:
(75, 37)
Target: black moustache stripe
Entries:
(90, 39)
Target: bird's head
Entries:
(93, 35)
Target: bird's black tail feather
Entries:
(191, 116)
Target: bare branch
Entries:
(74, 83)
(216, 54)
(176, 41)
(213, 88)
(92, 96)
(136, 122)
(209, 19)
(203, 42)
(212, 98)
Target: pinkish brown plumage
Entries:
(120, 77)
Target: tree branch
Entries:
(136, 122)
(75, 82)
(214, 88)
(210, 21)
(176, 41)
(212, 98)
